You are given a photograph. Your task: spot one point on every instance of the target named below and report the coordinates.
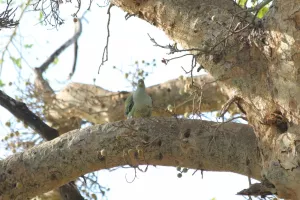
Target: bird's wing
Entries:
(129, 104)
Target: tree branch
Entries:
(21, 111)
(8, 14)
(153, 141)
(7, 17)
(98, 105)
(55, 54)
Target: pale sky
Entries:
(128, 42)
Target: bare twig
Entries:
(7, 17)
(54, 55)
(105, 50)
(173, 48)
(14, 32)
(49, 10)
(226, 106)
(135, 176)
(75, 60)
(78, 7)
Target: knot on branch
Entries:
(187, 141)
(276, 119)
(259, 189)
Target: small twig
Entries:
(50, 11)
(89, 8)
(75, 60)
(54, 55)
(194, 172)
(173, 48)
(128, 15)
(78, 7)
(15, 30)
(105, 50)
(7, 17)
(135, 176)
(166, 61)
(75, 49)
(227, 105)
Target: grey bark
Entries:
(257, 62)
(194, 144)
(95, 104)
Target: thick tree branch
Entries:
(154, 141)
(98, 105)
(21, 111)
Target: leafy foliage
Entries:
(263, 11)
(136, 71)
(16, 61)
(1, 83)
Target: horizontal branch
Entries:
(153, 141)
(98, 105)
(21, 111)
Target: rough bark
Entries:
(259, 63)
(98, 105)
(194, 144)
(21, 111)
(256, 63)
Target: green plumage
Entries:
(139, 103)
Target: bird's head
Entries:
(141, 83)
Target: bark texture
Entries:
(194, 144)
(78, 101)
(257, 65)
(21, 111)
(257, 62)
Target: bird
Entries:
(139, 103)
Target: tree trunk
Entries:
(259, 63)
(256, 64)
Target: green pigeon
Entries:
(139, 103)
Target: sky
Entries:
(128, 42)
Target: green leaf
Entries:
(41, 16)
(262, 12)
(1, 61)
(16, 61)
(55, 61)
(1, 83)
(28, 46)
(243, 3)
